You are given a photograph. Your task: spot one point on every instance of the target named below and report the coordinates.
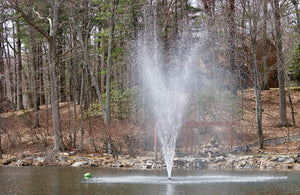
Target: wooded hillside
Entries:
(80, 55)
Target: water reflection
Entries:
(170, 189)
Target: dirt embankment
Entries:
(278, 140)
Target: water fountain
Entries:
(164, 84)
(166, 94)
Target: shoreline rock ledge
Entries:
(230, 162)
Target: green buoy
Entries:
(87, 175)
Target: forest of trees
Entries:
(81, 51)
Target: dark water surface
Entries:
(69, 180)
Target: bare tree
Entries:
(2, 126)
(257, 88)
(2, 91)
(109, 59)
(54, 25)
(1, 80)
(34, 64)
(252, 14)
(0, 147)
(81, 111)
(74, 79)
(19, 70)
(296, 3)
(231, 40)
(84, 40)
(280, 62)
(265, 46)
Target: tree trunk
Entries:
(81, 110)
(61, 68)
(75, 127)
(19, 72)
(296, 3)
(258, 105)
(74, 80)
(41, 75)
(47, 119)
(2, 125)
(1, 67)
(7, 78)
(58, 144)
(1, 80)
(86, 96)
(290, 99)
(74, 64)
(265, 48)
(280, 63)
(0, 147)
(69, 116)
(198, 116)
(109, 59)
(257, 88)
(244, 59)
(108, 75)
(231, 17)
(34, 61)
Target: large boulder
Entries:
(72, 153)
(24, 162)
(240, 149)
(283, 159)
(6, 161)
(80, 164)
(39, 161)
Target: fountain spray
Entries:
(165, 94)
(164, 85)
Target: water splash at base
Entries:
(183, 180)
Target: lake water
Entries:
(70, 180)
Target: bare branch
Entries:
(15, 5)
(50, 24)
(61, 24)
(60, 2)
(282, 3)
(51, 3)
(11, 18)
(38, 14)
(8, 43)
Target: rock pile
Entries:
(212, 149)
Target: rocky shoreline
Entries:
(211, 156)
(229, 162)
